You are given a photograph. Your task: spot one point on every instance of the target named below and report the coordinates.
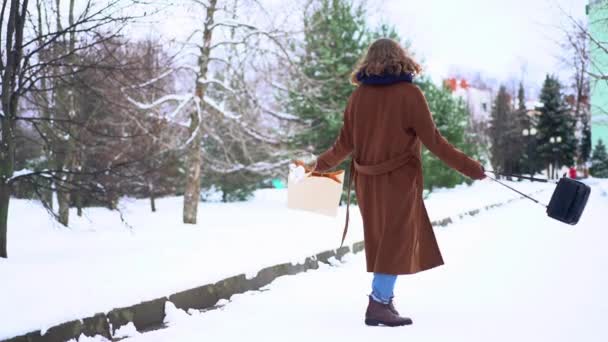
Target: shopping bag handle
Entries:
(310, 172)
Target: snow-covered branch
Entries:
(220, 109)
(234, 24)
(259, 136)
(188, 67)
(160, 101)
(246, 37)
(259, 167)
(22, 174)
(151, 81)
(213, 106)
(215, 81)
(281, 115)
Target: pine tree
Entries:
(556, 140)
(335, 36)
(451, 117)
(386, 31)
(527, 158)
(517, 147)
(599, 161)
(499, 126)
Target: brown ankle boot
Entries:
(381, 314)
(391, 306)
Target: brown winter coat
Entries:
(383, 127)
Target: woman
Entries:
(385, 121)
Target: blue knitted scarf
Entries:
(384, 79)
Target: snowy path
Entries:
(159, 256)
(511, 274)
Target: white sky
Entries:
(504, 40)
(495, 37)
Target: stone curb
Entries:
(150, 315)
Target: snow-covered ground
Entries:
(511, 274)
(54, 274)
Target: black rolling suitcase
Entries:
(568, 201)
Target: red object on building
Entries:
(452, 84)
(464, 84)
(572, 172)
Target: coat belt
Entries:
(374, 170)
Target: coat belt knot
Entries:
(374, 170)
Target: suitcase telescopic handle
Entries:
(519, 192)
(533, 179)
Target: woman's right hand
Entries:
(310, 167)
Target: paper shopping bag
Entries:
(316, 192)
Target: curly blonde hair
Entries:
(385, 56)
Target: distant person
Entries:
(385, 121)
(572, 172)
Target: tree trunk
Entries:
(113, 202)
(78, 200)
(9, 99)
(152, 198)
(47, 197)
(65, 109)
(5, 196)
(7, 162)
(193, 181)
(63, 199)
(193, 166)
(64, 196)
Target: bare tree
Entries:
(229, 126)
(160, 173)
(578, 60)
(577, 45)
(583, 45)
(39, 61)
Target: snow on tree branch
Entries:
(247, 129)
(182, 104)
(215, 81)
(281, 115)
(22, 174)
(220, 109)
(234, 24)
(259, 167)
(158, 102)
(151, 81)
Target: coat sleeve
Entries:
(424, 126)
(341, 148)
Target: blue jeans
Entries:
(383, 286)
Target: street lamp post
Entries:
(529, 135)
(554, 148)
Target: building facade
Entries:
(597, 14)
(478, 101)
